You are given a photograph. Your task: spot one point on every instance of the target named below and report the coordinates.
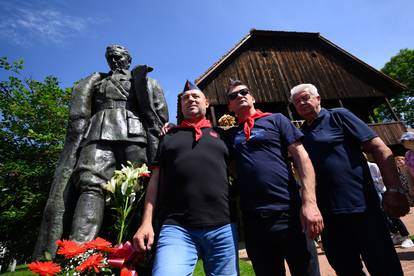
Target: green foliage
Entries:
(33, 116)
(401, 68)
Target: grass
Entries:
(21, 270)
(246, 269)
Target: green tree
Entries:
(401, 68)
(33, 116)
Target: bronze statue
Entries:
(114, 117)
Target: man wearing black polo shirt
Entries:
(191, 167)
(355, 225)
(275, 217)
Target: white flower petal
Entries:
(124, 187)
(132, 196)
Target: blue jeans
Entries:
(178, 249)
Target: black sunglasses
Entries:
(233, 95)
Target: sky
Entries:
(181, 39)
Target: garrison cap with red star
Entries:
(190, 86)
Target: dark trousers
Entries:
(98, 161)
(272, 240)
(349, 237)
(397, 226)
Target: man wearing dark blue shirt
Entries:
(355, 225)
(275, 217)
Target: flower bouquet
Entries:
(124, 191)
(227, 121)
(90, 258)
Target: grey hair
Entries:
(304, 87)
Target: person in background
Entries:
(376, 178)
(355, 224)
(400, 234)
(406, 180)
(407, 140)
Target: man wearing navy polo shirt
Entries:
(275, 217)
(355, 225)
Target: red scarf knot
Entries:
(249, 122)
(203, 123)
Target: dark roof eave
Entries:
(254, 32)
(366, 65)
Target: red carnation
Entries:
(93, 262)
(99, 244)
(125, 272)
(70, 249)
(144, 174)
(44, 268)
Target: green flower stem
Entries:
(123, 217)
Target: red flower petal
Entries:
(99, 244)
(144, 174)
(70, 249)
(44, 268)
(93, 262)
(125, 272)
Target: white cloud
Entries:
(22, 26)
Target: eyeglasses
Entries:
(233, 95)
(304, 99)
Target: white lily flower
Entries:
(128, 181)
(124, 187)
(110, 185)
(132, 197)
(143, 169)
(129, 172)
(108, 200)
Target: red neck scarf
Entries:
(196, 126)
(249, 122)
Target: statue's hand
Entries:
(144, 238)
(167, 128)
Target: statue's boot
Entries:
(88, 217)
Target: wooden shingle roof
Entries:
(271, 62)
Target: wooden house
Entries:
(272, 62)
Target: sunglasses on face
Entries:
(233, 95)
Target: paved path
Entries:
(406, 255)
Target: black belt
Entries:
(111, 104)
(264, 214)
(269, 213)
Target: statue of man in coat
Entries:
(115, 117)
